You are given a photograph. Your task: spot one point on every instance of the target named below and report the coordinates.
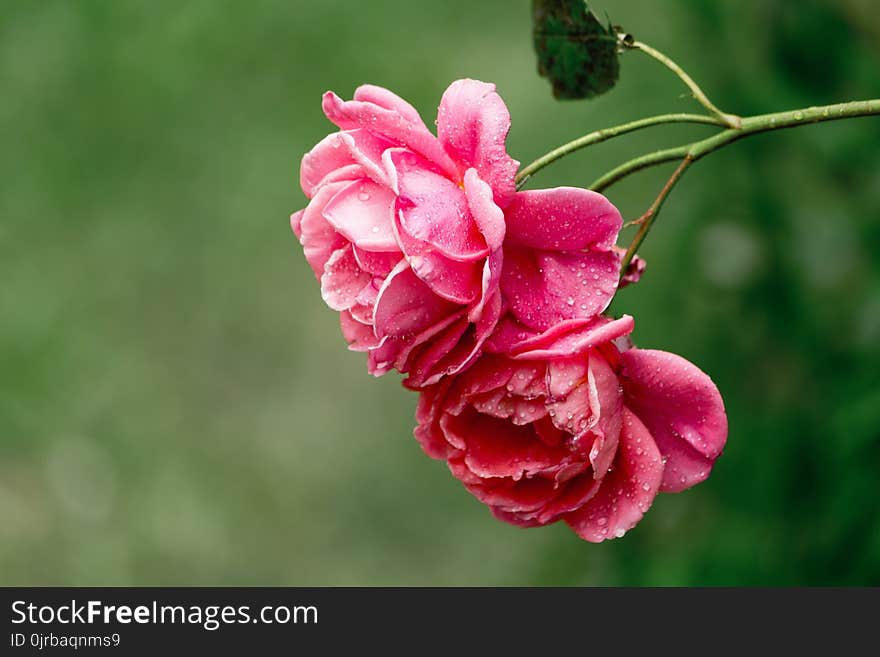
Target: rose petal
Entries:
(497, 448)
(627, 491)
(382, 97)
(359, 336)
(606, 402)
(434, 211)
(389, 124)
(363, 213)
(634, 269)
(406, 305)
(436, 361)
(682, 409)
(488, 286)
(517, 502)
(318, 237)
(296, 223)
(326, 157)
(562, 219)
(343, 280)
(571, 338)
(544, 288)
(472, 125)
(428, 413)
(458, 282)
(488, 216)
(377, 263)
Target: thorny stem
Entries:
(730, 120)
(646, 220)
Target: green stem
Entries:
(690, 153)
(730, 120)
(637, 164)
(647, 220)
(607, 133)
(751, 125)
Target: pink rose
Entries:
(422, 243)
(404, 229)
(572, 424)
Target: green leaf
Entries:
(576, 51)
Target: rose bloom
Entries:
(574, 424)
(422, 243)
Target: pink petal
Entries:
(682, 409)
(377, 263)
(402, 129)
(327, 156)
(439, 359)
(472, 124)
(347, 155)
(517, 519)
(634, 269)
(434, 211)
(436, 356)
(488, 373)
(366, 149)
(488, 216)
(318, 237)
(342, 279)
(589, 400)
(627, 491)
(296, 223)
(529, 380)
(517, 502)
(402, 350)
(382, 97)
(571, 338)
(563, 219)
(428, 413)
(488, 286)
(406, 305)
(496, 403)
(497, 448)
(359, 336)
(545, 287)
(572, 497)
(363, 213)
(606, 400)
(458, 282)
(362, 309)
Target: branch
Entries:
(647, 220)
(751, 125)
(607, 133)
(730, 120)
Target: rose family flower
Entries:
(404, 229)
(422, 242)
(573, 424)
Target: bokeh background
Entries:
(176, 402)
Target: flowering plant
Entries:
(491, 298)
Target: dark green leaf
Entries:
(576, 51)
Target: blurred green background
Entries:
(176, 402)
